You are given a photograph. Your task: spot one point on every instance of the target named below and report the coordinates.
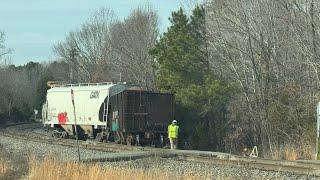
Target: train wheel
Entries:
(99, 137)
(56, 134)
(64, 135)
(130, 140)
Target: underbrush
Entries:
(292, 152)
(4, 165)
(51, 169)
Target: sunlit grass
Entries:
(51, 169)
(3, 167)
(290, 154)
(294, 152)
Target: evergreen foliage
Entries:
(182, 68)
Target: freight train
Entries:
(108, 111)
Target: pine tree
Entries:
(182, 66)
(175, 54)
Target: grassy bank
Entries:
(54, 170)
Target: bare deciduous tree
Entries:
(131, 41)
(87, 48)
(106, 49)
(3, 50)
(270, 49)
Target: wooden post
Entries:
(75, 123)
(318, 127)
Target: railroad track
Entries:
(311, 168)
(37, 137)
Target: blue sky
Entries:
(32, 27)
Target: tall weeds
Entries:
(292, 152)
(51, 169)
(4, 165)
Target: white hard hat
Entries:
(174, 121)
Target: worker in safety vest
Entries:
(173, 130)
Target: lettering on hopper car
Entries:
(94, 95)
(63, 117)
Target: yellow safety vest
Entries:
(173, 131)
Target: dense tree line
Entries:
(23, 89)
(270, 49)
(244, 73)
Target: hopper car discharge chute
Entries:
(108, 112)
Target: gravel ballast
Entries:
(24, 149)
(39, 150)
(216, 172)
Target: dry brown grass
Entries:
(290, 154)
(276, 155)
(307, 151)
(51, 169)
(294, 152)
(3, 167)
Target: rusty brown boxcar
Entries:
(138, 116)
